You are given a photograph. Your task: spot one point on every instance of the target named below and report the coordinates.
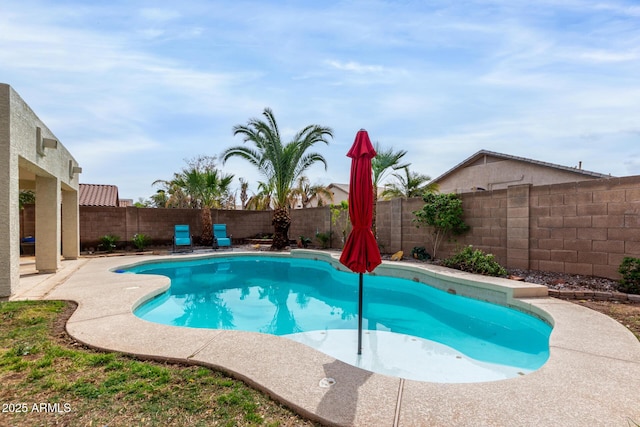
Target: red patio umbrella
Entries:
(360, 253)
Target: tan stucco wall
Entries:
(498, 174)
(25, 164)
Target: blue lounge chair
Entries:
(220, 238)
(182, 237)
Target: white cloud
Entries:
(133, 91)
(355, 67)
(604, 56)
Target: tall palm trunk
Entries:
(206, 239)
(281, 222)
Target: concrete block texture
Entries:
(561, 225)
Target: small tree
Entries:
(442, 212)
(340, 219)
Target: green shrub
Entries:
(442, 213)
(141, 241)
(630, 270)
(419, 252)
(108, 242)
(305, 241)
(475, 261)
(26, 197)
(324, 239)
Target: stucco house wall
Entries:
(32, 158)
(487, 171)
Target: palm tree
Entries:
(386, 159)
(412, 184)
(280, 163)
(262, 200)
(171, 196)
(159, 199)
(244, 187)
(208, 189)
(305, 192)
(198, 187)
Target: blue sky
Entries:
(133, 88)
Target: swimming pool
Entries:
(311, 302)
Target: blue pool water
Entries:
(306, 299)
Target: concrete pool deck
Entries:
(592, 376)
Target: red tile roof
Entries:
(98, 195)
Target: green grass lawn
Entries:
(49, 379)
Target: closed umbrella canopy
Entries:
(361, 253)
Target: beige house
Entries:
(488, 170)
(32, 158)
(340, 193)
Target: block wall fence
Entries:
(582, 228)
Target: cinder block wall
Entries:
(579, 228)
(308, 222)
(96, 222)
(586, 227)
(243, 224)
(158, 224)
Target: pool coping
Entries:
(592, 375)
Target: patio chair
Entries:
(220, 238)
(182, 237)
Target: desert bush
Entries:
(141, 241)
(419, 252)
(304, 241)
(324, 239)
(630, 270)
(475, 261)
(108, 242)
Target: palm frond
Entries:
(280, 163)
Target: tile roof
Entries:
(98, 195)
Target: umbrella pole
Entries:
(360, 317)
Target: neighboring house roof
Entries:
(98, 195)
(342, 187)
(480, 154)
